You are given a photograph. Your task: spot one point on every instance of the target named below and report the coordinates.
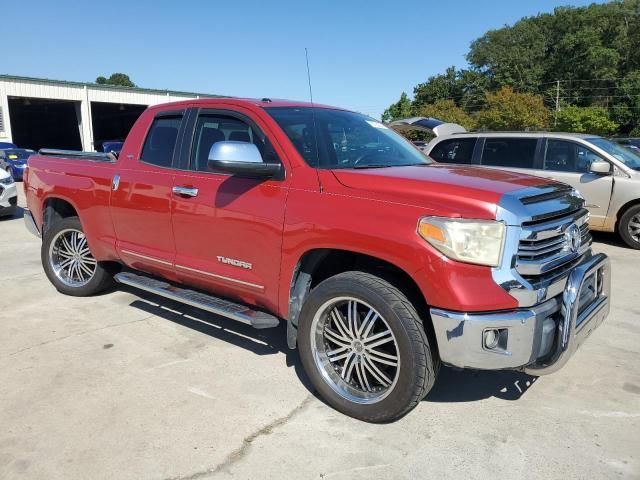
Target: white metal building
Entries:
(37, 113)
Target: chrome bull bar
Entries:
(578, 321)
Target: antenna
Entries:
(306, 56)
(313, 116)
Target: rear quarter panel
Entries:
(84, 184)
(626, 190)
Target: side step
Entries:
(216, 305)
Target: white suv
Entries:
(8, 195)
(604, 172)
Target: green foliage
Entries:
(119, 79)
(594, 51)
(448, 111)
(508, 110)
(585, 120)
(465, 87)
(401, 109)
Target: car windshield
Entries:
(18, 154)
(333, 139)
(626, 156)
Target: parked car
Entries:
(421, 145)
(631, 143)
(605, 173)
(112, 146)
(8, 195)
(14, 161)
(4, 145)
(384, 263)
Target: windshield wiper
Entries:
(373, 165)
(387, 165)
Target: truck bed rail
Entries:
(94, 156)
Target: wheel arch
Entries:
(623, 209)
(56, 208)
(318, 264)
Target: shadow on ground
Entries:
(608, 239)
(17, 216)
(270, 341)
(452, 385)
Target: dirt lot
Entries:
(129, 386)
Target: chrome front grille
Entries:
(548, 245)
(547, 237)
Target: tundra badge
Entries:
(234, 262)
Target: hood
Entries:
(447, 190)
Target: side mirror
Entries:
(240, 158)
(600, 167)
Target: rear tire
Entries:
(68, 262)
(364, 347)
(629, 227)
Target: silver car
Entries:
(605, 173)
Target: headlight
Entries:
(470, 241)
(6, 181)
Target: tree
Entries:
(512, 56)
(508, 110)
(119, 79)
(401, 109)
(448, 111)
(585, 120)
(593, 51)
(465, 87)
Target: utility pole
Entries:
(555, 121)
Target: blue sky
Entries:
(363, 54)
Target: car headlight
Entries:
(6, 181)
(471, 241)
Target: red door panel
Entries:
(141, 210)
(228, 238)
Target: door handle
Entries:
(185, 191)
(115, 183)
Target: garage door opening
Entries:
(45, 123)
(112, 121)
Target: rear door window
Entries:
(509, 152)
(458, 150)
(161, 141)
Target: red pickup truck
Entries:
(383, 263)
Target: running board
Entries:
(216, 305)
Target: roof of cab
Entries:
(521, 134)
(259, 102)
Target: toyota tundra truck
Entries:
(383, 263)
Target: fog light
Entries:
(491, 338)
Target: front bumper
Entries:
(8, 199)
(539, 339)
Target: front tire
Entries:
(68, 262)
(364, 347)
(629, 227)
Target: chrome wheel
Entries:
(355, 350)
(70, 258)
(634, 227)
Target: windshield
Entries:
(344, 139)
(18, 154)
(626, 156)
